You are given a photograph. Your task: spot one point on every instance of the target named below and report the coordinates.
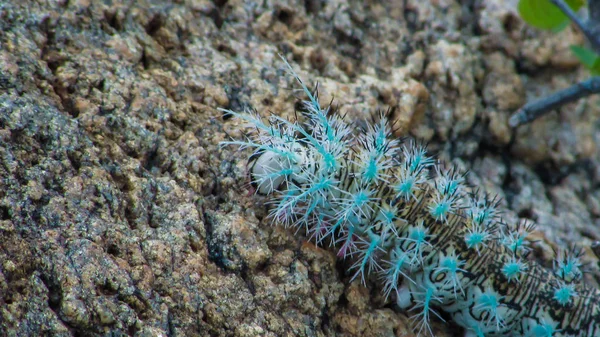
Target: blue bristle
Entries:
(515, 240)
(489, 302)
(567, 266)
(366, 259)
(375, 152)
(389, 213)
(544, 330)
(357, 205)
(397, 267)
(416, 159)
(371, 171)
(451, 265)
(564, 293)
(449, 182)
(414, 171)
(317, 228)
(447, 197)
(417, 237)
(440, 208)
(481, 210)
(476, 236)
(513, 268)
(424, 301)
(314, 103)
(405, 188)
(346, 242)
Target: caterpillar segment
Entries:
(411, 221)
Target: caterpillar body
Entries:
(410, 220)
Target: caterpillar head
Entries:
(273, 169)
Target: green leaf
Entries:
(544, 14)
(589, 58)
(560, 27)
(585, 56)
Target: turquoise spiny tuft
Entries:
(408, 219)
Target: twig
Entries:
(591, 30)
(594, 9)
(537, 108)
(586, 27)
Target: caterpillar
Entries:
(412, 222)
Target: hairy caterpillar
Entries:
(400, 214)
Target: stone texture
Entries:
(120, 214)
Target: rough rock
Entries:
(120, 214)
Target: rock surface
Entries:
(120, 214)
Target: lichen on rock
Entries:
(120, 214)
